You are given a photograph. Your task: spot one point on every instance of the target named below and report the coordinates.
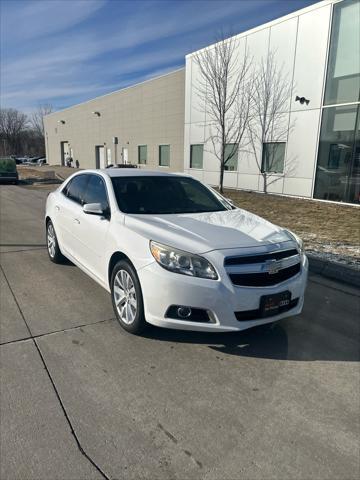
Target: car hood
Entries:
(203, 232)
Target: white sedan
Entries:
(175, 253)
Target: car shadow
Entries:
(290, 339)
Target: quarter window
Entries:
(196, 156)
(75, 189)
(142, 154)
(273, 156)
(164, 155)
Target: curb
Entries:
(59, 177)
(334, 270)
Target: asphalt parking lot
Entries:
(82, 399)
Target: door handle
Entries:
(57, 208)
(76, 220)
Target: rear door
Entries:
(69, 213)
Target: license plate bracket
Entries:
(274, 304)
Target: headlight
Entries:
(182, 262)
(298, 241)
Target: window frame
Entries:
(237, 158)
(269, 172)
(202, 159)
(159, 150)
(138, 155)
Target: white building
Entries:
(319, 50)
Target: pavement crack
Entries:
(57, 394)
(40, 335)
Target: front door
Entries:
(91, 230)
(125, 155)
(99, 156)
(65, 152)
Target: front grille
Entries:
(246, 315)
(264, 279)
(246, 259)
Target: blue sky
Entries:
(67, 51)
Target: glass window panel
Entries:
(338, 165)
(96, 191)
(164, 155)
(273, 157)
(343, 76)
(142, 154)
(196, 156)
(75, 190)
(231, 157)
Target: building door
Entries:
(99, 156)
(65, 152)
(125, 155)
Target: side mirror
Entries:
(93, 209)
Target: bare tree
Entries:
(269, 120)
(12, 124)
(37, 119)
(224, 90)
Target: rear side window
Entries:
(96, 191)
(75, 189)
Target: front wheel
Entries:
(127, 298)
(52, 244)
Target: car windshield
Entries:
(164, 195)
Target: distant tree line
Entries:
(22, 134)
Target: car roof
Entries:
(133, 172)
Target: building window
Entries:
(273, 156)
(196, 156)
(164, 155)
(338, 165)
(231, 157)
(142, 154)
(343, 76)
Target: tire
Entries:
(52, 243)
(126, 296)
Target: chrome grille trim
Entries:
(263, 269)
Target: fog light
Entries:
(184, 312)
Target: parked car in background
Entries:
(42, 161)
(174, 253)
(8, 171)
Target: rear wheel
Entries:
(127, 298)
(52, 244)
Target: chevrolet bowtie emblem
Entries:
(272, 266)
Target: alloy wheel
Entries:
(125, 297)
(51, 240)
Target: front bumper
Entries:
(220, 298)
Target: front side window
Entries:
(164, 155)
(158, 195)
(231, 157)
(273, 157)
(196, 156)
(142, 154)
(96, 191)
(75, 189)
(343, 76)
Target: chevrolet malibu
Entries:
(174, 253)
